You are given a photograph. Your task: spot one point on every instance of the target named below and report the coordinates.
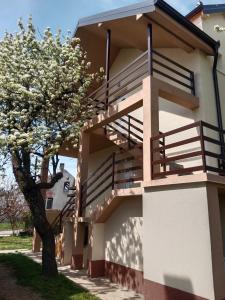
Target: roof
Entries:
(147, 7)
(207, 9)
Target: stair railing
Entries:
(129, 127)
(106, 177)
(67, 211)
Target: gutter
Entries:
(217, 97)
(178, 17)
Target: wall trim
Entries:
(77, 262)
(157, 291)
(125, 276)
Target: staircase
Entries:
(126, 132)
(123, 169)
(67, 211)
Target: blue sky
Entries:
(64, 14)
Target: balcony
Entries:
(191, 149)
(129, 80)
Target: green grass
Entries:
(7, 226)
(28, 273)
(15, 242)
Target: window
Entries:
(66, 186)
(49, 203)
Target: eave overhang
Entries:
(146, 8)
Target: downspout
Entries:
(217, 98)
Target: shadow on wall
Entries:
(124, 244)
(182, 284)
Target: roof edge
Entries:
(145, 7)
(169, 10)
(195, 11)
(113, 14)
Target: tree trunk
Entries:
(34, 198)
(43, 228)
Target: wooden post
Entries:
(107, 63)
(150, 125)
(202, 146)
(150, 66)
(82, 167)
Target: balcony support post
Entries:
(82, 169)
(150, 125)
(107, 64)
(150, 47)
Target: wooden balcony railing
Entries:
(129, 79)
(201, 150)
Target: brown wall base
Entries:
(156, 291)
(77, 262)
(130, 278)
(96, 268)
(133, 280)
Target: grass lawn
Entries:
(28, 273)
(15, 242)
(7, 226)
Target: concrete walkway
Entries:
(4, 233)
(100, 287)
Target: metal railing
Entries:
(203, 148)
(67, 211)
(129, 79)
(173, 72)
(107, 177)
(128, 127)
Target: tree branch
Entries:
(49, 185)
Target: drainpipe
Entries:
(217, 98)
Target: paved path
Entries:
(8, 232)
(100, 287)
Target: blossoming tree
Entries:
(43, 83)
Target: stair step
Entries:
(71, 195)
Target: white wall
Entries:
(176, 239)
(59, 196)
(123, 234)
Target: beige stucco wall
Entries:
(216, 221)
(176, 239)
(98, 249)
(209, 22)
(123, 234)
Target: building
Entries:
(150, 204)
(57, 197)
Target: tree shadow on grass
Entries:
(28, 273)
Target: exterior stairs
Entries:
(67, 212)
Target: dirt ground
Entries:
(10, 290)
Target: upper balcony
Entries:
(128, 81)
(149, 28)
